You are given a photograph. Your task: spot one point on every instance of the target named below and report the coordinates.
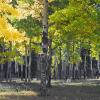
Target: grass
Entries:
(79, 90)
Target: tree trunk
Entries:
(29, 68)
(73, 71)
(29, 65)
(1, 74)
(70, 71)
(85, 67)
(49, 65)
(77, 71)
(7, 75)
(21, 71)
(91, 67)
(44, 48)
(26, 64)
(43, 62)
(9, 66)
(16, 69)
(55, 68)
(80, 73)
(98, 67)
(2, 65)
(60, 65)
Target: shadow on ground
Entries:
(57, 92)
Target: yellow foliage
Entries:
(6, 30)
(6, 8)
(35, 10)
(3, 23)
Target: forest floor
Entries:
(61, 90)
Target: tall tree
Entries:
(44, 48)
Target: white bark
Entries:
(44, 48)
(98, 65)
(91, 67)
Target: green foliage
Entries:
(14, 3)
(31, 2)
(31, 26)
(72, 24)
(78, 22)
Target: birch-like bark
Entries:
(85, 67)
(2, 65)
(10, 75)
(49, 65)
(91, 67)
(1, 74)
(26, 64)
(16, 69)
(9, 64)
(98, 67)
(29, 65)
(21, 71)
(29, 68)
(44, 48)
(77, 71)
